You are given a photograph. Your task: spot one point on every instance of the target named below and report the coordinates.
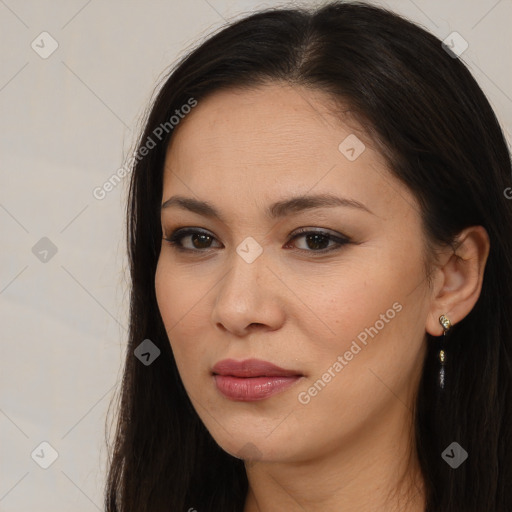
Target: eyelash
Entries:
(176, 237)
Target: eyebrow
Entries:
(274, 211)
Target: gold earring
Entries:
(445, 322)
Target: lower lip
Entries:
(250, 389)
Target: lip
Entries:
(251, 368)
(252, 379)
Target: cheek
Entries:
(180, 293)
(371, 317)
(335, 307)
(180, 298)
(166, 293)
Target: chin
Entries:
(248, 442)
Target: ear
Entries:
(458, 278)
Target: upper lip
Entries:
(251, 368)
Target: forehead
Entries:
(280, 117)
(275, 124)
(288, 138)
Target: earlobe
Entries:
(461, 279)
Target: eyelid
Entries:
(322, 231)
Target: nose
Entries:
(249, 297)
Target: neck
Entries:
(376, 470)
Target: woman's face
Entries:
(342, 310)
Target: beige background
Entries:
(67, 123)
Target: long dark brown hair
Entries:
(441, 138)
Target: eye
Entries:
(200, 239)
(317, 241)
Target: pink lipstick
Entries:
(252, 379)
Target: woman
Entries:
(320, 251)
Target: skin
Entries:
(348, 447)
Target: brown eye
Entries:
(199, 240)
(318, 241)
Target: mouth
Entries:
(252, 379)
